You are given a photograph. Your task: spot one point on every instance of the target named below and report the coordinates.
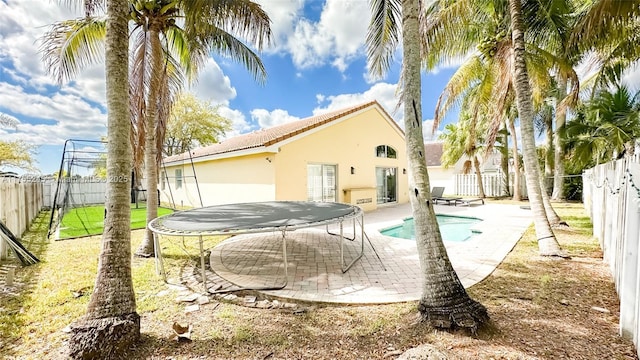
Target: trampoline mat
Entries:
(249, 217)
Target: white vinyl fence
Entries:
(76, 192)
(467, 185)
(611, 196)
(20, 203)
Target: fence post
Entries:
(629, 272)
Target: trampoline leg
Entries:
(346, 268)
(204, 275)
(284, 257)
(158, 253)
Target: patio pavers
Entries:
(314, 271)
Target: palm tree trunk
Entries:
(476, 166)
(517, 196)
(548, 156)
(547, 243)
(504, 160)
(146, 248)
(444, 302)
(111, 323)
(561, 118)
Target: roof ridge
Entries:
(272, 135)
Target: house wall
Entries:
(224, 181)
(348, 143)
(444, 177)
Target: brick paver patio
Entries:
(314, 270)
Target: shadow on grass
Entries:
(13, 298)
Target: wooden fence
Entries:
(20, 203)
(611, 195)
(467, 185)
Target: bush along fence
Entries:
(20, 202)
(611, 196)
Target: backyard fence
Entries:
(611, 196)
(493, 184)
(20, 203)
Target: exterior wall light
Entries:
(353, 170)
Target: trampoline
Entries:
(246, 218)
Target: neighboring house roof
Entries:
(268, 137)
(433, 153)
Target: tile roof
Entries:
(433, 153)
(270, 136)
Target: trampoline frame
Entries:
(157, 229)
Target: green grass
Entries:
(56, 291)
(89, 220)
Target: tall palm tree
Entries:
(171, 40)
(111, 323)
(444, 302)
(454, 28)
(547, 243)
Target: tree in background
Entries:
(444, 302)
(111, 324)
(605, 128)
(17, 153)
(464, 139)
(193, 123)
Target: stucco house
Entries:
(355, 155)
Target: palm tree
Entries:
(464, 139)
(453, 29)
(605, 128)
(111, 323)
(547, 243)
(204, 28)
(611, 30)
(444, 302)
(165, 51)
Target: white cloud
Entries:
(89, 85)
(384, 93)
(63, 116)
(427, 131)
(214, 85)
(238, 121)
(24, 21)
(283, 15)
(267, 119)
(336, 39)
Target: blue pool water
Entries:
(452, 228)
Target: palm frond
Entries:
(383, 35)
(228, 45)
(70, 46)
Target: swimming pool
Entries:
(452, 228)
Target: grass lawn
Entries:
(89, 220)
(540, 309)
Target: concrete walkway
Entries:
(314, 271)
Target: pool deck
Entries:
(314, 271)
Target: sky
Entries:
(317, 63)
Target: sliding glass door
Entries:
(386, 185)
(321, 182)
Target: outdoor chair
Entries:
(437, 195)
(467, 201)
